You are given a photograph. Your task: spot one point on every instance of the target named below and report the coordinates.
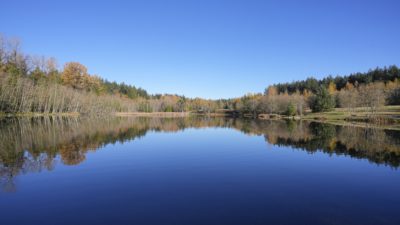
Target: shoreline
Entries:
(168, 114)
(71, 114)
(387, 120)
(153, 114)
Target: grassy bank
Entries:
(391, 113)
(386, 117)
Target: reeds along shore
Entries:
(31, 84)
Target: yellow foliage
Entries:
(349, 86)
(332, 88)
(307, 93)
(74, 75)
(272, 91)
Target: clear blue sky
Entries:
(205, 48)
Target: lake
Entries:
(196, 170)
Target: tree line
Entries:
(373, 89)
(322, 96)
(37, 84)
(311, 84)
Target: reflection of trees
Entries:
(376, 145)
(32, 145)
(23, 164)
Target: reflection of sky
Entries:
(206, 175)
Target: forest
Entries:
(32, 84)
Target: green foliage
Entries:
(37, 75)
(123, 89)
(311, 84)
(291, 110)
(13, 69)
(394, 97)
(169, 108)
(322, 101)
(144, 107)
(181, 104)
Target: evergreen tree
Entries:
(322, 101)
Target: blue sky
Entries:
(212, 49)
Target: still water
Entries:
(127, 170)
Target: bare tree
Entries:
(372, 96)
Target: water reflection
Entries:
(35, 144)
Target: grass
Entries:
(387, 117)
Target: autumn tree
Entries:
(52, 72)
(74, 75)
(332, 88)
(268, 103)
(93, 84)
(348, 97)
(372, 96)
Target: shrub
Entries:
(291, 110)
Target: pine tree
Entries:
(322, 101)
